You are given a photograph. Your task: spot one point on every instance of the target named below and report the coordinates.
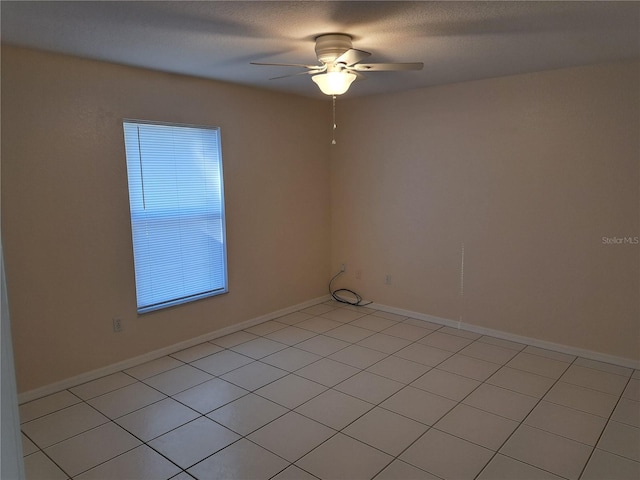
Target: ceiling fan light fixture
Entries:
(334, 83)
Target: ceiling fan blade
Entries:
(352, 56)
(386, 67)
(358, 75)
(288, 65)
(308, 72)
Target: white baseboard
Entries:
(556, 347)
(147, 357)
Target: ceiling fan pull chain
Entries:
(333, 130)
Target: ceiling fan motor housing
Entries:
(331, 46)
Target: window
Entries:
(177, 212)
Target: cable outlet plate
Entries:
(343, 267)
(117, 325)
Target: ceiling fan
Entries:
(339, 64)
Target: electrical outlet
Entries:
(387, 279)
(343, 267)
(117, 325)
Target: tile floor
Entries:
(339, 392)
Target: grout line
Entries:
(326, 389)
(522, 423)
(604, 428)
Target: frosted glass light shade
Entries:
(334, 83)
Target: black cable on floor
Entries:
(338, 298)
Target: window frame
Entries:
(221, 216)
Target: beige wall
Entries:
(65, 211)
(529, 172)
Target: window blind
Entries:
(177, 212)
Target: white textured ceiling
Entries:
(457, 41)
